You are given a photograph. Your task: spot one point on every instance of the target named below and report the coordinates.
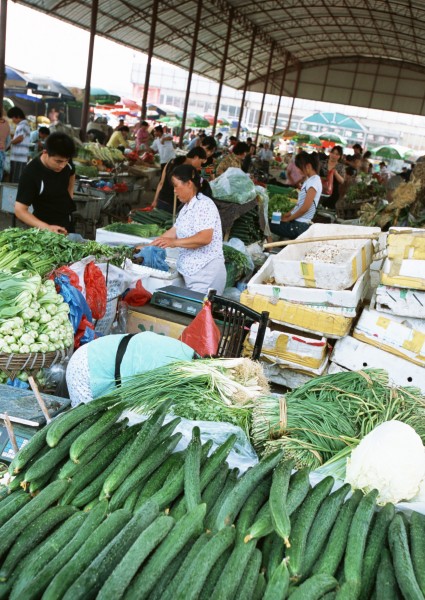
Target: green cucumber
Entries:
(226, 489)
(143, 470)
(315, 587)
(157, 479)
(20, 520)
(251, 509)
(262, 525)
(277, 501)
(321, 527)
(35, 586)
(171, 489)
(18, 499)
(278, 584)
(249, 578)
(131, 500)
(65, 422)
(119, 579)
(38, 484)
(29, 567)
(192, 471)
(402, 561)
(417, 542)
(97, 465)
(70, 468)
(215, 487)
(174, 586)
(4, 492)
(200, 568)
(102, 425)
(166, 578)
(244, 487)
(260, 587)
(55, 455)
(302, 525)
(275, 556)
(374, 544)
(91, 580)
(231, 576)
(16, 483)
(31, 537)
(137, 451)
(386, 585)
(214, 575)
(357, 537)
(215, 460)
(189, 526)
(299, 487)
(27, 452)
(90, 549)
(10, 497)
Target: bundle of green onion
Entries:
(206, 390)
(330, 413)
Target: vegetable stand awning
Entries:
(373, 56)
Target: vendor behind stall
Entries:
(96, 367)
(47, 184)
(197, 233)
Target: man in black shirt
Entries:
(47, 184)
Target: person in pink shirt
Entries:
(142, 136)
(294, 176)
(4, 134)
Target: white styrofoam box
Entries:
(393, 334)
(311, 296)
(406, 242)
(112, 238)
(355, 355)
(153, 279)
(404, 273)
(283, 376)
(400, 301)
(289, 347)
(334, 368)
(350, 258)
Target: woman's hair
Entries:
(145, 123)
(367, 154)
(124, 128)
(303, 159)
(15, 112)
(339, 150)
(197, 152)
(187, 173)
(209, 142)
(240, 148)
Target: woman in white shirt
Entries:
(197, 233)
(298, 220)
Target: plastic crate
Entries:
(88, 207)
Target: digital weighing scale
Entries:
(179, 299)
(25, 415)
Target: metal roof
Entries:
(365, 53)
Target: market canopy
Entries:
(394, 151)
(373, 56)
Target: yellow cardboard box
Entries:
(138, 321)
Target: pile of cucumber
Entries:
(100, 509)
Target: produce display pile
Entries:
(282, 202)
(33, 316)
(109, 511)
(237, 262)
(247, 228)
(332, 413)
(94, 151)
(41, 251)
(162, 218)
(146, 230)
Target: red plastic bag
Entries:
(74, 280)
(84, 333)
(96, 291)
(137, 296)
(202, 334)
(328, 183)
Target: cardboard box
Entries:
(404, 273)
(139, 321)
(399, 301)
(393, 334)
(355, 355)
(345, 261)
(289, 378)
(286, 346)
(317, 319)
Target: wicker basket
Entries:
(15, 363)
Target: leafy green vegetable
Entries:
(282, 202)
(142, 230)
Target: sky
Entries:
(44, 52)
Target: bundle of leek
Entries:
(330, 413)
(208, 389)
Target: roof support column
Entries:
(248, 73)
(150, 54)
(223, 69)
(282, 84)
(3, 22)
(191, 66)
(297, 81)
(86, 101)
(266, 85)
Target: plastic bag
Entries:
(202, 334)
(153, 257)
(73, 276)
(242, 456)
(78, 307)
(234, 186)
(117, 281)
(95, 290)
(121, 321)
(138, 296)
(85, 333)
(328, 183)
